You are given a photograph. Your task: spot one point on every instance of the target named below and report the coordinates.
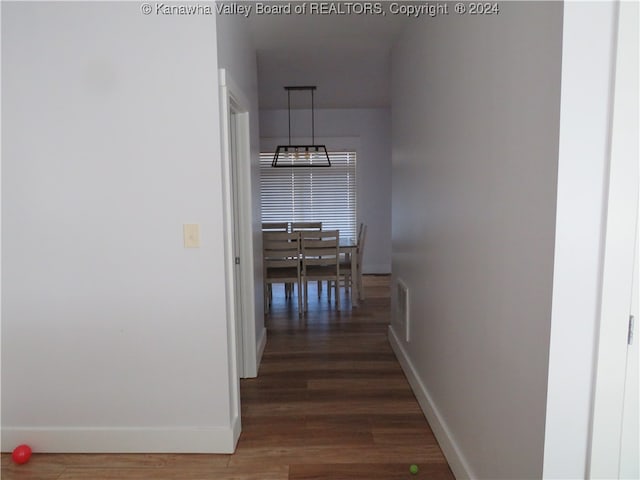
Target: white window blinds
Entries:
(326, 195)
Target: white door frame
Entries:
(577, 435)
(242, 342)
(618, 256)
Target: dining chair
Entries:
(321, 261)
(304, 227)
(345, 264)
(278, 227)
(275, 226)
(281, 263)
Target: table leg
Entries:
(355, 293)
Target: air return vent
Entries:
(402, 308)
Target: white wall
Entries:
(475, 117)
(369, 132)
(114, 336)
(237, 55)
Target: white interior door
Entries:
(235, 199)
(614, 436)
(238, 227)
(630, 442)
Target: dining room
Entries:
(351, 196)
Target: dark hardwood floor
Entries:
(330, 402)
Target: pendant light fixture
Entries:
(301, 155)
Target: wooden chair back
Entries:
(275, 226)
(304, 226)
(281, 253)
(281, 250)
(321, 259)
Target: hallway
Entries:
(331, 401)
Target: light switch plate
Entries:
(191, 235)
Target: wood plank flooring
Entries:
(330, 402)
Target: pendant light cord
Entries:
(313, 132)
(289, 110)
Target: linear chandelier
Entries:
(301, 155)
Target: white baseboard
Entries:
(262, 343)
(452, 452)
(123, 440)
(236, 429)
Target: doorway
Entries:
(238, 229)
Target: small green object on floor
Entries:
(413, 469)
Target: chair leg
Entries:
(267, 297)
(352, 285)
(337, 282)
(346, 282)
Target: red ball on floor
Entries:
(21, 454)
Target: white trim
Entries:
(262, 343)
(588, 48)
(452, 452)
(618, 252)
(232, 95)
(123, 440)
(233, 89)
(236, 430)
(228, 216)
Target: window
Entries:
(326, 195)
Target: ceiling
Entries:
(346, 56)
